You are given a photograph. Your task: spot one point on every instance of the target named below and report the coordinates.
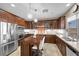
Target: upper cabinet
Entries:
(10, 18)
(47, 24)
(6, 17)
(61, 23)
(51, 24)
(20, 21)
(28, 24)
(39, 24)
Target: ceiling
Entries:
(40, 11)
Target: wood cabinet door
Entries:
(7, 17)
(50, 39)
(61, 22)
(28, 24)
(62, 46)
(53, 24)
(10, 18)
(20, 21)
(24, 49)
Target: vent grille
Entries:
(45, 10)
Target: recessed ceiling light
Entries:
(13, 5)
(30, 16)
(35, 20)
(68, 4)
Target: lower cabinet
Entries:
(61, 45)
(50, 39)
(56, 40)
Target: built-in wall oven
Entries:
(20, 32)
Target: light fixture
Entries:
(29, 16)
(12, 5)
(35, 20)
(48, 30)
(68, 4)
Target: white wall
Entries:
(70, 12)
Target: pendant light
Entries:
(30, 16)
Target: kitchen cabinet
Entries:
(28, 24)
(50, 39)
(61, 45)
(10, 18)
(53, 24)
(47, 24)
(61, 23)
(39, 24)
(20, 22)
(7, 17)
(23, 23)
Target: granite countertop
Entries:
(74, 45)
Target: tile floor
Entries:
(51, 50)
(48, 50)
(16, 53)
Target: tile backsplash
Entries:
(46, 31)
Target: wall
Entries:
(70, 12)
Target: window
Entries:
(72, 27)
